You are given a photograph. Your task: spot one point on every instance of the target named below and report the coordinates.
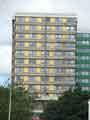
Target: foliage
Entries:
(73, 105)
(21, 104)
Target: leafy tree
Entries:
(21, 104)
(73, 105)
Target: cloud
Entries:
(8, 8)
(5, 59)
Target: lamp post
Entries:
(88, 109)
(10, 100)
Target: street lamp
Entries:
(88, 109)
(10, 97)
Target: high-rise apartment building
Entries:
(83, 60)
(43, 56)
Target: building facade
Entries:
(83, 60)
(43, 56)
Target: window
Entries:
(32, 89)
(20, 35)
(32, 61)
(32, 44)
(44, 78)
(32, 36)
(58, 70)
(20, 28)
(33, 19)
(32, 53)
(44, 90)
(58, 36)
(19, 70)
(33, 27)
(57, 53)
(47, 19)
(19, 53)
(85, 80)
(47, 36)
(32, 70)
(85, 88)
(70, 45)
(18, 78)
(85, 42)
(58, 20)
(58, 45)
(48, 27)
(20, 44)
(31, 78)
(44, 70)
(58, 89)
(20, 19)
(19, 61)
(58, 28)
(69, 54)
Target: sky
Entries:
(8, 8)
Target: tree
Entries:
(73, 105)
(21, 104)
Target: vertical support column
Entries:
(88, 109)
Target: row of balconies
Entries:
(47, 74)
(43, 57)
(43, 40)
(46, 84)
(43, 22)
(46, 65)
(44, 48)
(48, 31)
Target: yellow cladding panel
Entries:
(37, 88)
(64, 36)
(16, 19)
(38, 79)
(27, 19)
(51, 79)
(51, 54)
(26, 53)
(39, 20)
(51, 87)
(26, 28)
(17, 35)
(52, 20)
(16, 44)
(52, 45)
(38, 36)
(52, 36)
(51, 62)
(26, 78)
(26, 69)
(26, 44)
(38, 70)
(64, 20)
(16, 27)
(38, 53)
(26, 61)
(53, 28)
(39, 44)
(51, 70)
(38, 62)
(39, 27)
(64, 29)
(26, 36)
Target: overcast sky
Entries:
(8, 8)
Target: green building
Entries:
(83, 60)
